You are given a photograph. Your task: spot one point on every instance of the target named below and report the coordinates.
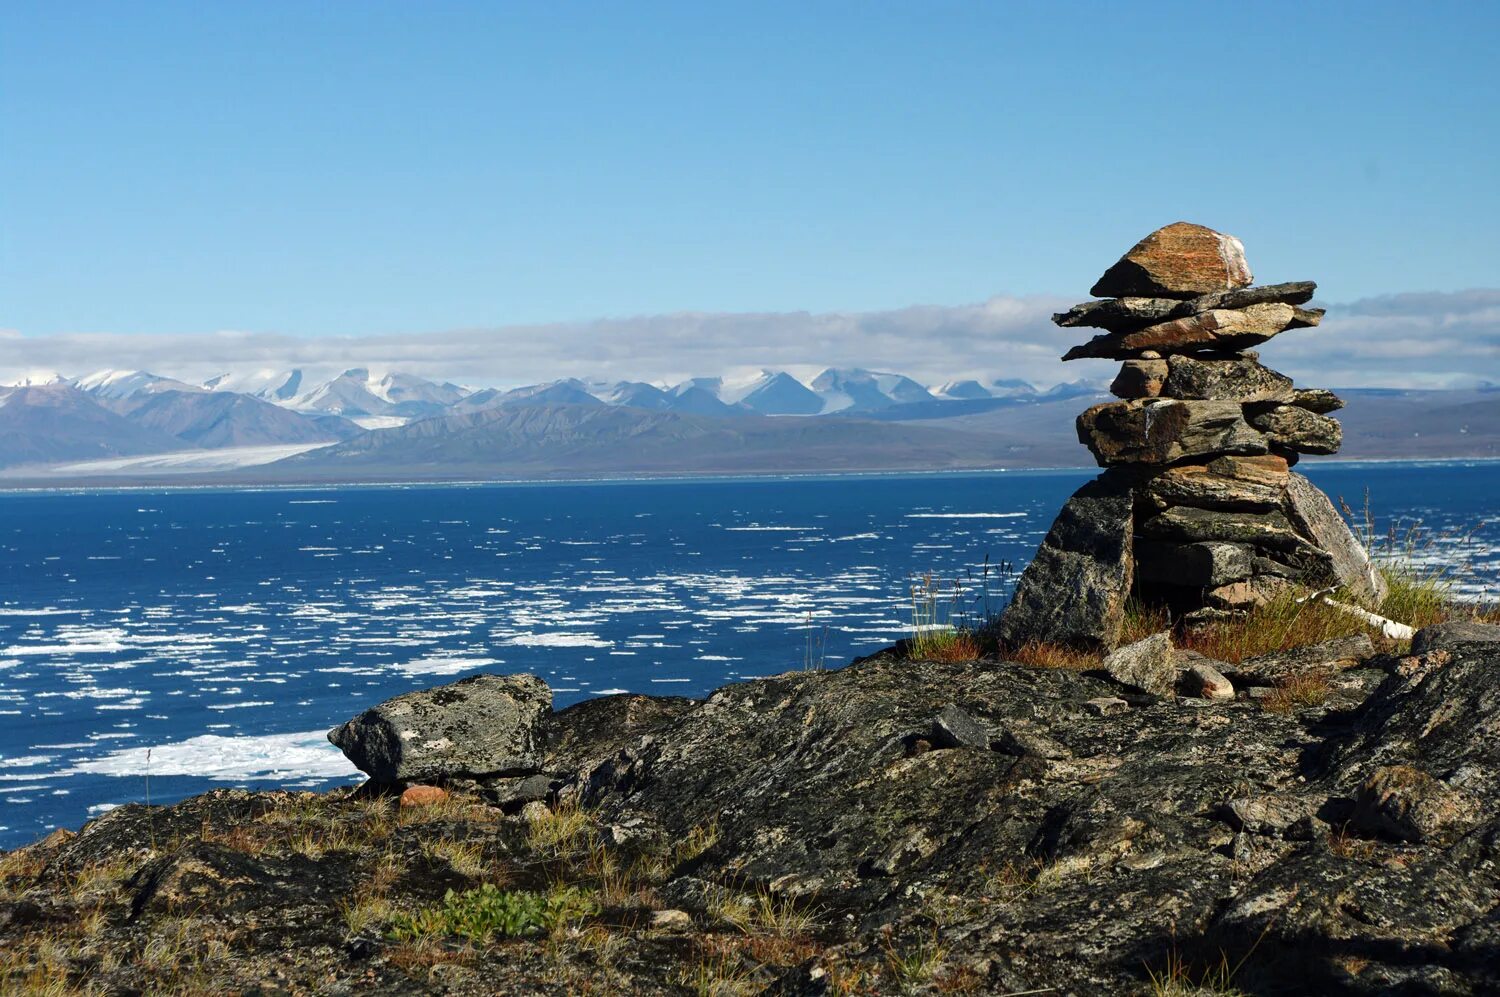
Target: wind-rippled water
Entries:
(226, 631)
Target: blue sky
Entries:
(348, 169)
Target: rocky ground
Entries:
(894, 826)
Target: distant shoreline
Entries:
(166, 483)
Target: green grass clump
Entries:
(488, 912)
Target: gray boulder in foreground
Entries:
(1073, 592)
(478, 726)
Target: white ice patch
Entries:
(277, 757)
(964, 515)
(442, 665)
(556, 640)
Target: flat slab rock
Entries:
(1221, 329)
(1181, 260)
(1312, 515)
(1163, 431)
(1132, 313)
(479, 726)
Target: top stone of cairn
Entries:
(1181, 260)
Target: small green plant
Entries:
(566, 830)
(488, 912)
(763, 913)
(915, 965)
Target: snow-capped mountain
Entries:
(116, 384)
(268, 384)
(857, 390)
(972, 390)
(356, 395)
(35, 379)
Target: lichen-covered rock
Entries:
(1319, 400)
(1408, 804)
(1181, 260)
(1074, 590)
(1231, 378)
(1252, 484)
(1185, 524)
(1313, 516)
(1336, 655)
(1148, 665)
(1131, 313)
(1163, 431)
(1291, 427)
(1211, 831)
(482, 725)
(1222, 330)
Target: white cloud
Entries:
(1426, 339)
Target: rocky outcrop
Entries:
(1206, 436)
(479, 726)
(1030, 829)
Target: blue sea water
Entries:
(224, 631)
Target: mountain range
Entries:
(398, 425)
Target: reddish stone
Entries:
(1181, 260)
(423, 796)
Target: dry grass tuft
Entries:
(1307, 689)
(1279, 625)
(945, 645)
(1039, 654)
(566, 830)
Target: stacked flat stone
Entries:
(1198, 509)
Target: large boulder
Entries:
(485, 725)
(1164, 431)
(1073, 592)
(1181, 260)
(1313, 516)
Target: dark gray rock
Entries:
(1336, 655)
(1148, 665)
(1409, 805)
(1460, 635)
(1026, 740)
(1220, 330)
(1319, 400)
(1074, 590)
(1198, 565)
(1298, 429)
(1270, 530)
(1313, 516)
(483, 725)
(1228, 379)
(954, 728)
(1130, 314)
(1165, 431)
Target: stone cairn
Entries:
(1197, 509)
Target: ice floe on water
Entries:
(272, 757)
(440, 664)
